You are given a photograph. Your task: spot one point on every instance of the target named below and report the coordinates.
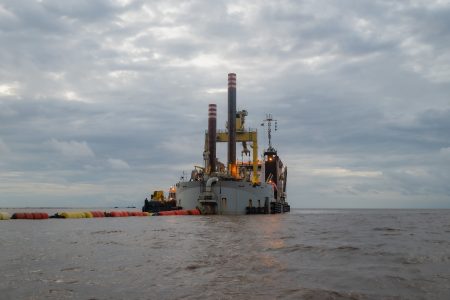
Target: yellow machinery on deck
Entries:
(158, 196)
(242, 135)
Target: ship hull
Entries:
(225, 197)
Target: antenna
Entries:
(269, 119)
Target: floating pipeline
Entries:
(30, 216)
(74, 215)
(165, 213)
(179, 212)
(127, 214)
(139, 214)
(95, 214)
(116, 214)
(98, 214)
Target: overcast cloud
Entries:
(102, 102)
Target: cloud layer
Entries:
(102, 102)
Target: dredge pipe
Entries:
(232, 123)
(209, 184)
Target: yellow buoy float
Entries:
(4, 216)
(76, 214)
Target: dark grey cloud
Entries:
(104, 101)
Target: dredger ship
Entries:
(257, 186)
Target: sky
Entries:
(102, 102)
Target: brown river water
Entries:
(306, 254)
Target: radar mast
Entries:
(269, 119)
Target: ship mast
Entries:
(269, 119)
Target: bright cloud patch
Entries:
(118, 164)
(8, 89)
(341, 172)
(72, 149)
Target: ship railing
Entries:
(245, 130)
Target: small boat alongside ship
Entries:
(257, 186)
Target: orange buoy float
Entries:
(115, 214)
(98, 214)
(138, 214)
(18, 216)
(40, 216)
(194, 212)
(118, 214)
(167, 213)
(30, 216)
(181, 212)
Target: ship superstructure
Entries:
(237, 187)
